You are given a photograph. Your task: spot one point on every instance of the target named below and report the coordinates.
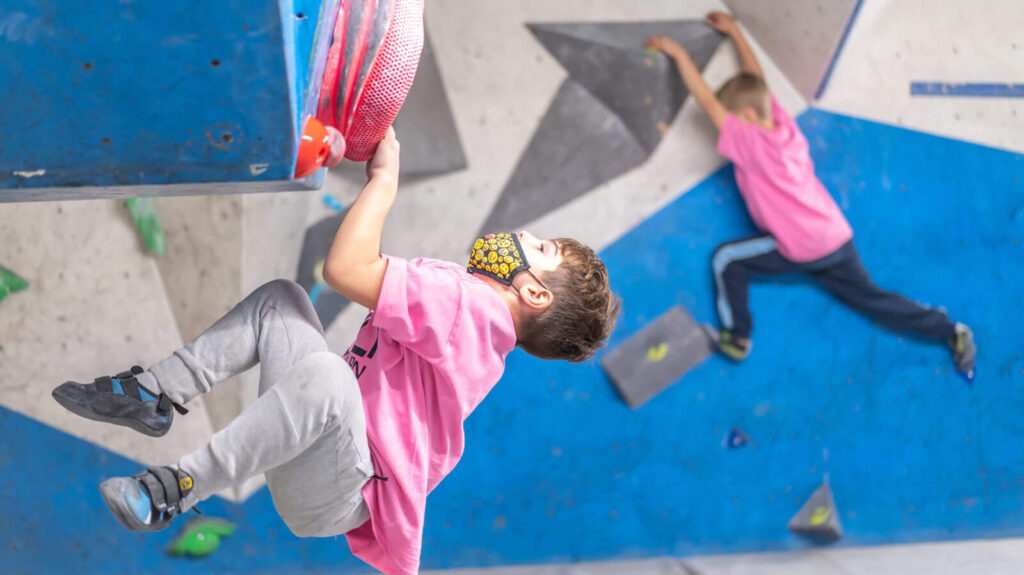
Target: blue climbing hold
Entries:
(736, 438)
(333, 203)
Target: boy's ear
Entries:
(535, 297)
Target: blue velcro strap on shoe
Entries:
(116, 386)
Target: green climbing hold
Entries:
(657, 353)
(143, 211)
(200, 537)
(10, 282)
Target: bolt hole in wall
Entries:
(87, 65)
(215, 63)
(300, 16)
(227, 138)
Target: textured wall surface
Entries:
(557, 468)
(95, 305)
(894, 42)
(150, 93)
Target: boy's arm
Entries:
(353, 266)
(725, 24)
(691, 77)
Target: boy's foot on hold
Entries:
(121, 400)
(150, 500)
(736, 348)
(964, 351)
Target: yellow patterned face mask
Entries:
(498, 256)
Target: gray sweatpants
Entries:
(307, 430)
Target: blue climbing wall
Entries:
(53, 517)
(557, 468)
(166, 97)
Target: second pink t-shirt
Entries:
(424, 359)
(775, 175)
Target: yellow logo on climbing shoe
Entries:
(656, 353)
(184, 483)
(820, 515)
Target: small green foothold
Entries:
(10, 282)
(143, 211)
(200, 537)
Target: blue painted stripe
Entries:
(116, 386)
(839, 49)
(725, 256)
(978, 90)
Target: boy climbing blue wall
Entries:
(804, 230)
(353, 444)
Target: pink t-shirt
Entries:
(425, 358)
(775, 175)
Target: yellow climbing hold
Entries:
(657, 353)
(820, 515)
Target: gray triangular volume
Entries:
(800, 36)
(426, 126)
(657, 356)
(578, 145)
(631, 35)
(609, 60)
(818, 518)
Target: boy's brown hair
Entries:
(746, 90)
(582, 313)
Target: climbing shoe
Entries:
(727, 344)
(964, 351)
(150, 500)
(120, 400)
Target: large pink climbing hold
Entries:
(370, 68)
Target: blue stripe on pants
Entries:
(727, 254)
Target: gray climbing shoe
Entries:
(150, 500)
(120, 400)
(964, 351)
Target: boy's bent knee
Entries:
(287, 297)
(325, 378)
(283, 290)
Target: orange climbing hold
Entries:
(314, 148)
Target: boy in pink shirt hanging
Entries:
(804, 230)
(354, 444)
